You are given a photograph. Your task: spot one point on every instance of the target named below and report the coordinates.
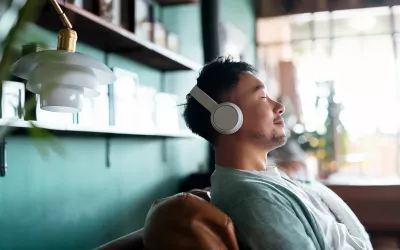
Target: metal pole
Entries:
(62, 15)
(210, 23)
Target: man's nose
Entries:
(279, 108)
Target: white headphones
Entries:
(226, 118)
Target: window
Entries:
(348, 83)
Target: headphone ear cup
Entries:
(227, 118)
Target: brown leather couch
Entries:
(189, 221)
(183, 221)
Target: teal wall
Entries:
(241, 14)
(73, 201)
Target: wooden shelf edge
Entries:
(79, 129)
(176, 2)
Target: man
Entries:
(231, 109)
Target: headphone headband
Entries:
(205, 100)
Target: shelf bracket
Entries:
(110, 113)
(164, 150)
(3, 157)
(111, 109)
(108, 151)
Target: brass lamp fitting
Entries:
(67, 40)
(67, 37)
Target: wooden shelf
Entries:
(20, 126)
(108, 37)
(175, 2)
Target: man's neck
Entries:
(242, 156)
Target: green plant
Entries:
(322, 142)
(10, 51)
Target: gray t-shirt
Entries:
(271, 212)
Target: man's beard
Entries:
(271, 141)
(278, 141)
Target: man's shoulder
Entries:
(233, 191)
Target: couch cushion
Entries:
(186, 221)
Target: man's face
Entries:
(262, 121)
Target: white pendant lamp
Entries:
(63, 77)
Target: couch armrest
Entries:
(202, 193)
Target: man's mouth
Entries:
(279, 121)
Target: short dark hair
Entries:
(216, 79)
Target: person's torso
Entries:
(230, 187)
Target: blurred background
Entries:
(77, 180)
(338, 71)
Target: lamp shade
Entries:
(62, 79)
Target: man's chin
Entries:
(278, 141)
(281, 140)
